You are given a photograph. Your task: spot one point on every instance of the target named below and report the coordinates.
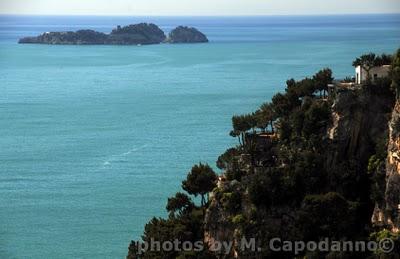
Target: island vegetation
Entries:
(135, 34)
(184, 34)
(310, 164)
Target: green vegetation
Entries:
(396, 128)
(231, 201)
(238, 219)
(286, 178)
(181, 203)
(395, 74)
(185, 222)
(265, 117)
(322, 79)
(328, 215)
(386, 234)
(200, 181)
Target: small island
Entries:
(135, 34)
(183, 34)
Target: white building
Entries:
(374, 72)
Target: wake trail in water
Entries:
(123, 157)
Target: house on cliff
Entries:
(375, 73)
(360, 78)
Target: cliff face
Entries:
(218, 227)
(358, 127)
(387, 211)
(360, 118)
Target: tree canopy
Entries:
(395, 73)
(181, 203)
(322, 79)
(200, 181)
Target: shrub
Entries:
(238, 219)
(232, 201)
(386, 234)
(373, 164)
(396, 127)
(328, 215)
(270, 187)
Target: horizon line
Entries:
(200, 15)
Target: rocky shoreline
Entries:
(135, 34)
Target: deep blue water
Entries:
(93, 139)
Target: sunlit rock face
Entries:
(387, 213)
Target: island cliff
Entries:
(307, 167)
(137, 34)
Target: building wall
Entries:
(375, 72)
(359, 74)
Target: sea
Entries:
(94, 139)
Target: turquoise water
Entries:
(93, 139)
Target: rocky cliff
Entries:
(387, 210)
(305, 168)
(358, 128)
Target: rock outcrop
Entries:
(183, 34)
(135, 34)
(387, 212)
(359, 120)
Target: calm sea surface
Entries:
(93, 139)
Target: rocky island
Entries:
(135, 34)
(183, 34)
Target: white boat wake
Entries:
(122, 157)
